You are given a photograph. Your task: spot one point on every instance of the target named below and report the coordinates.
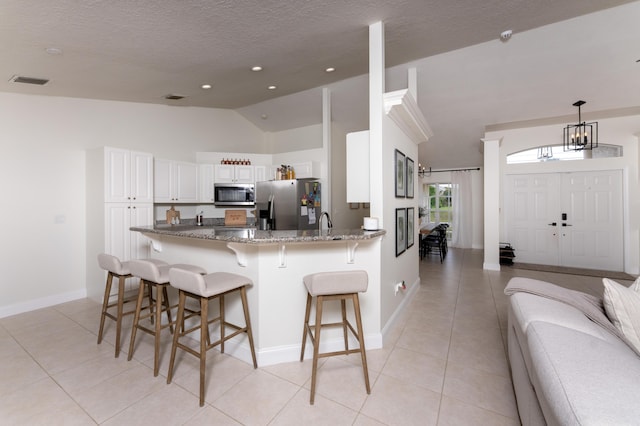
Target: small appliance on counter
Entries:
(288, 204)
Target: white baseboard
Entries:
(491, 266)
(43, 302)
(290, 353)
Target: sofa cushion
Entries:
(622, 305)
(527, 308)
(582, 379)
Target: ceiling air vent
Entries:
(28, 80)
(173, 97)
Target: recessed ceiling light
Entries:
(272, 87)
(206, 86)
(53, 51)
(330, 69)
(256, 68)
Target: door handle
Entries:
(553, 224)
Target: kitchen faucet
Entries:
(329, 224)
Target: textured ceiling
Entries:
(142, 50)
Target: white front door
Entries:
(568, 219)
(531, 203)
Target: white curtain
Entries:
(462, 224)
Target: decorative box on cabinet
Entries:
(175, 182)
(229, 173)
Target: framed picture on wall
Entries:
(410, 227)
(401, 231)
(409, 183)
(401, 175)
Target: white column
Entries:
(412, 83)
(376, 112)
(326, 147)
(491, 204)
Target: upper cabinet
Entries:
(358, 189)
(129, 176)
(307, 169)
(206, 183)
(175, 182)
(229, 173)
(260, 173)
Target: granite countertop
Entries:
(251, 235)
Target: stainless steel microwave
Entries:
(234, 194)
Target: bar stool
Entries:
(156, 277)
(205, 288)
(339, 285)
(120, 270)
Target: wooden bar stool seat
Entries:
(155, 277)
(339, 285)
(205, 288)
(120, 270)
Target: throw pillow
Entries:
(622, 305)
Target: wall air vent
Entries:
(173, 97)
(29, 80)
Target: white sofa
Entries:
(566, 369)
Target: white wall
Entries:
(404, 267)
(297, 139)
(622, 131)
(42, 175)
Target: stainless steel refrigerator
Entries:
(288, 204)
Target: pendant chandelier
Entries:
(581, 136)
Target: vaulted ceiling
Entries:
(141, 51)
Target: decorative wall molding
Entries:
(402, 108)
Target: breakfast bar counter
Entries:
(276, 262)
(250, 235)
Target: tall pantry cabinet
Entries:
(119, 195)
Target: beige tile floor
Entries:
(443, 363)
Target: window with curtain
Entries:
(450, 203)
(438, 204)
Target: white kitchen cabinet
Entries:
(229, 173)
(119, 195)
(261, 173)
(307, 169)
(120, 241)
(358, 187)
(206, 177)
(128, 176)
(175, 182)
